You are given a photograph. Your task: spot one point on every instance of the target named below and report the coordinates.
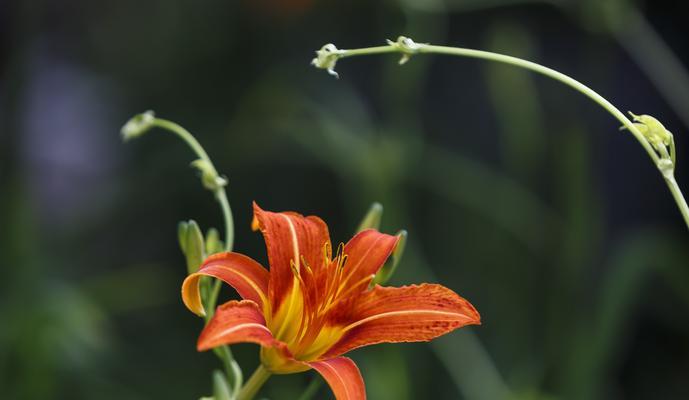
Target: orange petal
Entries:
(366, 253)
(406, 314)
(247, 276)
(236, 322)
(288, 237)
(343, 376)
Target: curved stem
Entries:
(229, 221)
(677, 194)
(253, 385)
(487, 55)
(220, 194)
(213, 299)
(558, 76)
(311, 389)
(223, 352)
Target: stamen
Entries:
(300, 331)
(335, 287)
(341, 296)
(327, 289)
(303, 327)
(364, 281)
(340, 249)
(293, 266)
(306, 265)
(327, 252)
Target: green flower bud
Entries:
(407, 46)
(653, 130)
(138, 125)
(213, 242)
(326, 58)
(372, 218)
(191, 242)
(209, 176)
(659, 138)
(385, 273)
(182, 229)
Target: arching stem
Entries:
(329, 54)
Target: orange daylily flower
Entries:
(311, 307)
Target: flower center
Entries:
(310, 319)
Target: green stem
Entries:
(220, 194)
(558, 76)
(253, 385)
(311, 389)
(677, 194)
(366, 51)
(213, 299)
(223, 352)
(229, 221)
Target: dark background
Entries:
(518, 192)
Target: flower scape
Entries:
(314, 304)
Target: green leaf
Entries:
(372, 218)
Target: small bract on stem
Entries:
(648, 131)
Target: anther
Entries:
(305, 264)
(293, 267)
(343, 261)
(327, 252)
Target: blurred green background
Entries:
(518, 193)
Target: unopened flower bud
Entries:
(209, 176)
(391, 264)
(407, 46)
(326, 58)
(653, 130)
(213, 242)
(138, 125)
(191, 242)
(372, 218)
(182, 229)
